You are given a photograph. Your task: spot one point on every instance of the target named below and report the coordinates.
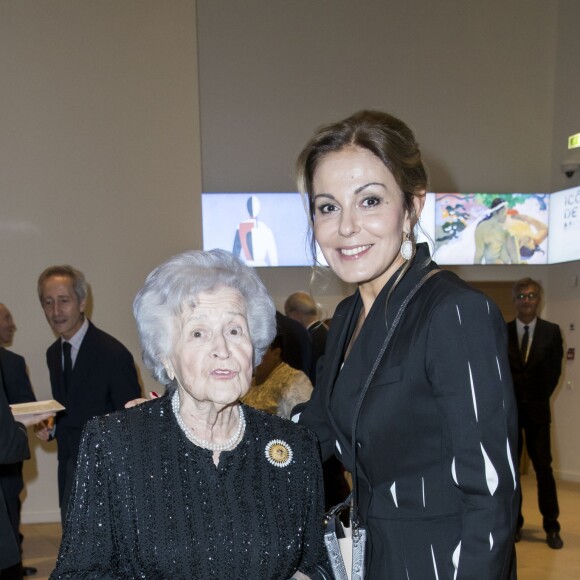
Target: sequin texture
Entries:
(148, 503)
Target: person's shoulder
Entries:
(268, 426)
(9, 357)
(54, 348)
(124, 420)
(104, 340)
(547, 325)
(448, 285)
(449, 291)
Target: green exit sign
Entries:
(574, 141)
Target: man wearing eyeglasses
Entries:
(535, 355)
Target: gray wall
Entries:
(105, 104)
(563, 280)
(490, 88)
(474, 79)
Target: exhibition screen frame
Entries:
(271, 229)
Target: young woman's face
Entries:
(359, 218)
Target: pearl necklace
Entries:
(227, 446)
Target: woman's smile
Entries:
(359, 217)
(354, 253)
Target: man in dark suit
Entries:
(301, 307)
(91, 373)
(18, 389)
(535, 355)
(296, 343)
(13, 449)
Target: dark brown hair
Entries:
(385, 136)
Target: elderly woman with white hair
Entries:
(195, 484)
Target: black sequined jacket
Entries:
(148, 503)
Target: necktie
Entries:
(67, 370)
(525, 340)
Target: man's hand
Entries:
(45, 429)
(135, 402)
(34, 419)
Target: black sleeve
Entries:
(468, 367)
(16, 381)
(13, 435)
(554, 364)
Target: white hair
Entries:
(178, 282)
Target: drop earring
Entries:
(407, 247)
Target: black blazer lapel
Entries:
(343, 320)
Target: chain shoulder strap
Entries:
(354, 506)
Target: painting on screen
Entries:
(491, 228)
(263, 229)
(565, 226)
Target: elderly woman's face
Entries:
(359, 218)
(212, 350)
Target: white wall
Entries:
(99, 141)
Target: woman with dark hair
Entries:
(194, 484)
(428, 411)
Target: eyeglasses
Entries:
(529, 296)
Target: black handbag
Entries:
(346, 545)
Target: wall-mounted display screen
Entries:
(565, 226)
(491, 228)
(271, 229)
(263, 229)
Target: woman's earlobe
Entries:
(418, 203)
(168, 366)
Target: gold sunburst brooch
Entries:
(279, 453)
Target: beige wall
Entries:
(101, 130)
(99, 142)
(563, 280)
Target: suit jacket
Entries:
(318, 334)
(536, 379)
(18, 390)
(436, 437)
(103, 380)
(296, 344)
(16, 382)
(13, 448)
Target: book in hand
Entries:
(36, 407)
